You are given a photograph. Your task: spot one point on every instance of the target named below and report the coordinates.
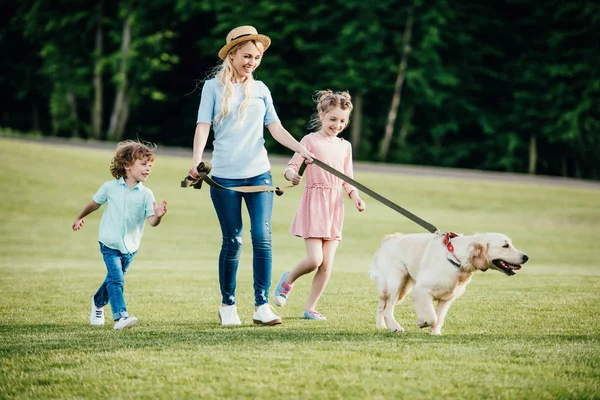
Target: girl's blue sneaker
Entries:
(282, 291)
(313, 314)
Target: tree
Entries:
(64, 56)
(558, 85)
(98, 60)
(389, 128)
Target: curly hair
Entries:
(326, 100)
(127, 152)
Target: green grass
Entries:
(535, 335)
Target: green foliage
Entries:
(555, 94)
(483, 79)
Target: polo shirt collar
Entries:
(138, 186)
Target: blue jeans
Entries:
(228, 205)
(111, 290)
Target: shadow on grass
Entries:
(34, 338)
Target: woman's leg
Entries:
(228, 206)
(260, 209)
(321, 278)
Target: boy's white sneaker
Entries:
(229, 316)
(263, 315)
(126, 323)
(97, 315)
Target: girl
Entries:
(238, 107)
(320, 214)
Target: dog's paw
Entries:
(397, 329)
(381, 325)
(424, 323)
(435, 332)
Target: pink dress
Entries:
(320, 213)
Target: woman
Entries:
(238, 106)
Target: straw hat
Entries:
(243, 34)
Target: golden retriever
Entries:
(435, 267)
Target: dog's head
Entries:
(495, 250)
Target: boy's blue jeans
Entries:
(228, 205)
(111, 290)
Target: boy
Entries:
(129, 204)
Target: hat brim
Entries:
(265, 40)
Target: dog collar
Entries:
(447, 237)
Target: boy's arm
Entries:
(88, 209)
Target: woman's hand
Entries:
(307, 155)
(193, 172)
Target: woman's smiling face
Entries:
(246, 59)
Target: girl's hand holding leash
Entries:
(295, 177)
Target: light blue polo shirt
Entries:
(122, 223)
(239, 147)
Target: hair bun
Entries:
(321, 95)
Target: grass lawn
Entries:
(535, 335)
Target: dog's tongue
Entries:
(511, 266)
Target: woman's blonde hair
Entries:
(326, 100)
(127, 152)
(225, 73)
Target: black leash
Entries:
(431, 228)
(204, 169)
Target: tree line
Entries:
(506, 85)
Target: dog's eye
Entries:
(505, 246)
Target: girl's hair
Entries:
(127, 152)
(224, 73)
(327, 100)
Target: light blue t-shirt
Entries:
(122, 223)
(239, 147)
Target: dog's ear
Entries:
(479, 256)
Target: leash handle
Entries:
(279, 191)
(203, 168)
(302, 168)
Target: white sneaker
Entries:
(229, 316)
(97, 315)
(263, 315)
(126, 323)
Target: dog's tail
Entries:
(374, 272)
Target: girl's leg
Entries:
(260, 208)
(314, 258)
(321, 278)
(228, 206)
